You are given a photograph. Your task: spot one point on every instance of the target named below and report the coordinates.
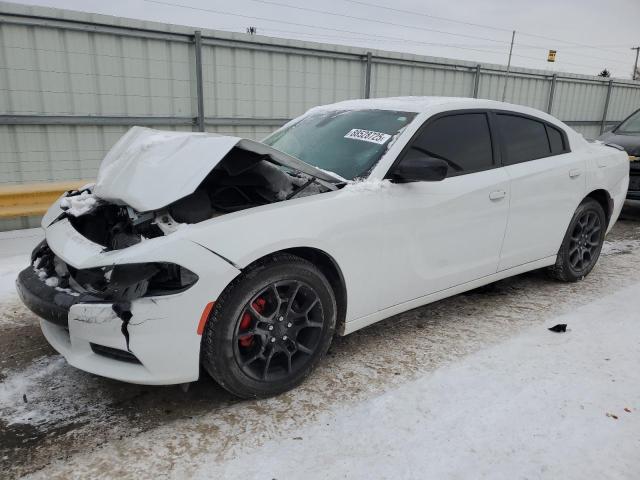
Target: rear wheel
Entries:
(582, 243)
(270, 327)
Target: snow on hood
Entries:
(148, 169)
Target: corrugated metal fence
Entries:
(72, 83)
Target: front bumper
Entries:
(163, 338)
(47, 302)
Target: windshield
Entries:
(346, 142)
(630, 125)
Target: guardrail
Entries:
(32, 199)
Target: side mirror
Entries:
(419, 168)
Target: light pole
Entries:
(635, 66)
(506, 78)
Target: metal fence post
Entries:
(476, 82)
(367, 77)
(552, 91)
(197, 43)
(606, 107)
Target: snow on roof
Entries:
(435, 104)
(421, 104)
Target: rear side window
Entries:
(524, 139)
(463, 141)
(555, 140)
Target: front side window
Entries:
(631, 125)
(461, 140)
(523, 139)
(347, 142)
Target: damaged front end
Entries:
(152, 183)
(119, 290)
(123, 313)
(50, 287)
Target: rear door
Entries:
(547, 184)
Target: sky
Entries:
(588, 35)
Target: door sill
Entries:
(358, 323)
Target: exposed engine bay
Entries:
(151, 184)
(241, 180)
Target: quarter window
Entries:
(555, 140)
(524, 139)
(463, 141)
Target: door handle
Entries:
(497, 194)
(575, 172)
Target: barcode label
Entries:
(368, 136)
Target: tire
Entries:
(258, 341)
(582, 243)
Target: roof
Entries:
(421, 104)
(428, 104)
(435, 104)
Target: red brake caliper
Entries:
(245, 322)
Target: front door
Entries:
(448, 232)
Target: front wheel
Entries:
(270, 327)
(582, 243)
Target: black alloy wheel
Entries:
(582, 243)
(270, 327)
(278, 330)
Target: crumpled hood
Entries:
(148, 169)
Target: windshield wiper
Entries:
(316, 179)
(302, 187)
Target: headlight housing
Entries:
(134, 280)
(118, 283)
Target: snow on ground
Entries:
(18, 243)
(10, 268)
(25, 384)
(624, 246)
(539, 405)
(27, 395)
(542, 405)
(403, 398)
(14, 257)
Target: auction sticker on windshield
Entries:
(368, 136)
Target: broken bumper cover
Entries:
(163, 340)
(47, 302)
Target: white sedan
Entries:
(246, 258)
